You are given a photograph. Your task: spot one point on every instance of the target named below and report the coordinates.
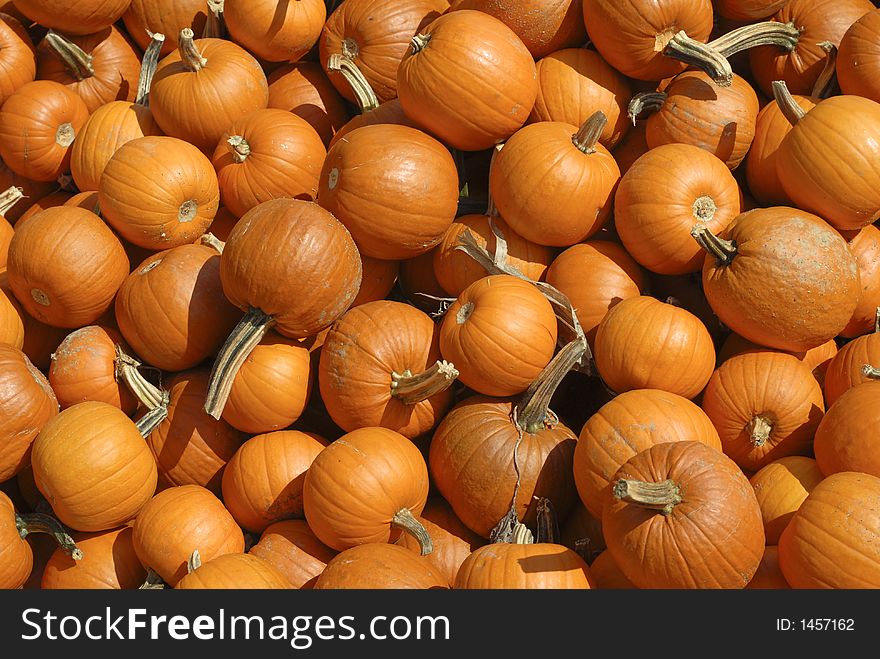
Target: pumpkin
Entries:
(865, 246)
(80, 18)
(842, 442)
(674, 507)
(380, 366)
(857, 57)
(765, 405)
(366, 487)
(816, 359)
(744, 10)
(16, 556)
(847, 128)
(299, 292)
(376, 566)
(100, 67)
(31, 190)
(38, 123)
(19, 64)
(377, 280)
(582, 532)
(663, 196)
(769, 575)
(607, 575)
(781, 487)
(533, 566)
(780, 277)
(418, 282)
(263, 481)
(303, 89)
(500, 333)
(273, 31)
(76, 290)
(93, 467)
(490, 99)
(846, 369)
(632, 147)
(159, 192)
(206, 69)
(233, 571)
(575, 82)
(27, 403)
(190, 447)
(171, 308)
(295, 552)
(374, 35)
(831, 542)
(52, 200)
(12, 318)
(166, 17)
(632, 37)
(818, 21)
(627, 425)
(643, 343)
(374, 181)
(108, 562)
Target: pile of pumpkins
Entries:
(420, 294)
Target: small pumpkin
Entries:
(816, 359)
(81, 18)
(842, 442)
(857, 57)
(781, 487)
(375, 566)
(273, 32)
(865, 246)
(377, 281)
(532, 566)
(19, 64)
(108, 562)
(295, 551)
(168, 17)
(233, 571)
(846, 370)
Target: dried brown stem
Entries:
(590, 131)
(645, 101)
(411, 389)
(702, 56)
(42, 523)
(406, 521)
(662, 497)
(77, 61)
(364, 95)
(149, 63)
(724, 251)
(789, 107)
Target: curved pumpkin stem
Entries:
(405, 520)
(702, 56)
(789, 107)
(826, 83)
(534, 407)
(419, 42)
(662, 497)
(877, 321)
(410, 389)
(724, 251)
(548, 526)
(585, 139)
(768, 33)
(645, 101)
(189, 55)
(870, 371)
(9, 197)
(215, 26)
(41, 523)
(759, 429)
(212, 241)
(364, 95)
(77, 62)
(149, 395)
(149, 63)
(244, 338)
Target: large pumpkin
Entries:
(84, 17)
(846, 369)
(858, 58)
(273, 31)
(865, 246)
(376, 566)
(108, 562)
(295, 551)
(19, 64)
(842, 442)
(233, 571)
(532, 566)
(816, 359)
(781, 487)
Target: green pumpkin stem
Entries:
(662, 497)
(77, 61)
(364, 95)
(149, 63)
(871, 372)
(590, 132)
(724, 251)
(759, 429)
(10, 197)
(787, 105)
(410, 389)
(826, 83)
(244, 338)
(189, 55)
(645, 101)
(239, 148)
(42, 523)
(768, 33)
(702, 56)
(215, 26)
(407, 522)
(533, 409)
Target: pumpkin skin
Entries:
(500, 333)
(831, 540)
(38, 123)
(417, 280)
(74, 291)
(689, 547)
(108, 562)
(281, 157)
(582, 533)
(818, 21)
(176, 522)
(373, 488)
(865, 246)
(752, 391)
(781, 487)
(857, 57)
(30, 189)
(643, 343)
(793, 283)
(171, 308)
(16, 555)
(376, 566)
(190, 447)
(275, 32)
(769, 575)
(84, 368)
(744, 10)
(362, 352)
(663, 195)
(234, 571)
(841, 442)
(374, 182)
(576, 181)
(11, 316)
(263, 481)
(159, 192)
(631, 37)
(40, 341)
(379, 277)
(389, 112)
(533, 566)
(52, 200)
(375, 34)
(627, 425)
(632, 147)
(845, 370)
(79, 18)
(490, 100)
(231, 75)
(19, 65)
(113, 59)
(93, 467)
(166, 16)
(607, 575)
(720, 120)
(816, 359)
(27, 403)
(292, 548)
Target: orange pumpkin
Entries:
(607, 575)
(846, 369)
(19, 64)
(857, 57)
(12, 318)
(743, 10)
(80, 18)
(769, 575)
(167, 17)
(376, 566)
(234, 571)
(108, 562)
(273, 32)
(533, 566)
(842, 443)
(16, 555)
(865, 246)
(816, 359)
(295, 552)
(379, 277)
(781, 487)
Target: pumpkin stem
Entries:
(405, 520)
(215, 26)
(522, 535)
(64, 135)
(194, 562)
(871, 372)
(410, 389)
(491, 209)
(152, 582)
(149, 395)
(655, 496)
(533, 408)
(77, 61)
(148, 68)
(210, 240)
(8, 199)
(723, 250)
(418, 43)
(759, 429)
(585, 139)
(190, 56)
(363, 94)
(704, 208)
(789, 107)
(826, 83)
(650, 101)
(239, 147)
(240, 343)
(548, 526)
(42, 523)
(877, 321)
(768, 33)
(151, 420)
(702, 56)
